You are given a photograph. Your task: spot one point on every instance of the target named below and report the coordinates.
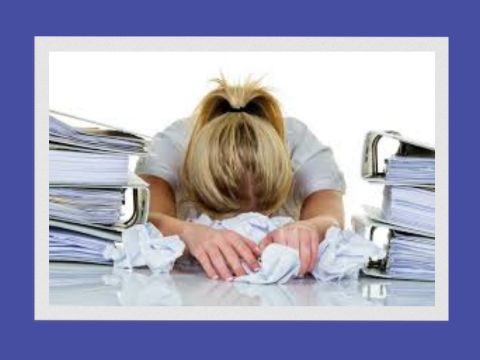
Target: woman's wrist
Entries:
(168, 225)
(186, 230)
(322, 223)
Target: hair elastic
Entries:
(237, 110)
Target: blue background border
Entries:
(24, 338)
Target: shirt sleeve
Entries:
(165, 154)
(313, 163)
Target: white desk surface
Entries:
(96, 285)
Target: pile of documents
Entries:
(87, 168)
(67, 245)
(92, 196)
(407, 210)
(410, 207)
(411, 257)
(410, 170)
(90, 206)
(97, 138)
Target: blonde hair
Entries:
(237, 151)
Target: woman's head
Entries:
(237, 159)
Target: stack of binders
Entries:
(407, 214)
(93, 197)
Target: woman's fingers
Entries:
(245, 251)
(219, 264)
(300, 238)
(314, 242)
(280, 236)
(267, 240)
(207, 266)
(226, 256)
(293, 238)
(254, 247)
(277, 236)
(304, 249)
(296, 238)
(233, 260)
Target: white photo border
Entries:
(45, 45)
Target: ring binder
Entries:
(371, 168)
(408, 209)
(383, 268)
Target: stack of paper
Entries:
(67, 245)
(64, 136)
(90, 206)
(89, 180)
(409, 170)
(410, 207)
(411, 257)
(86, 168)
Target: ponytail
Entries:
(251, 98)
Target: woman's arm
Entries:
(323, 209)
(162, 206)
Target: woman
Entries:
(238, 154)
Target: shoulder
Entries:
(297, 131)
(179, 126)
(294, 126)
(301, 141)
(165, 153)
(177, 132)
(313, 162)
(293, 122)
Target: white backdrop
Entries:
(339, 95)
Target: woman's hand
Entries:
(304, 236)
(220, 252)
